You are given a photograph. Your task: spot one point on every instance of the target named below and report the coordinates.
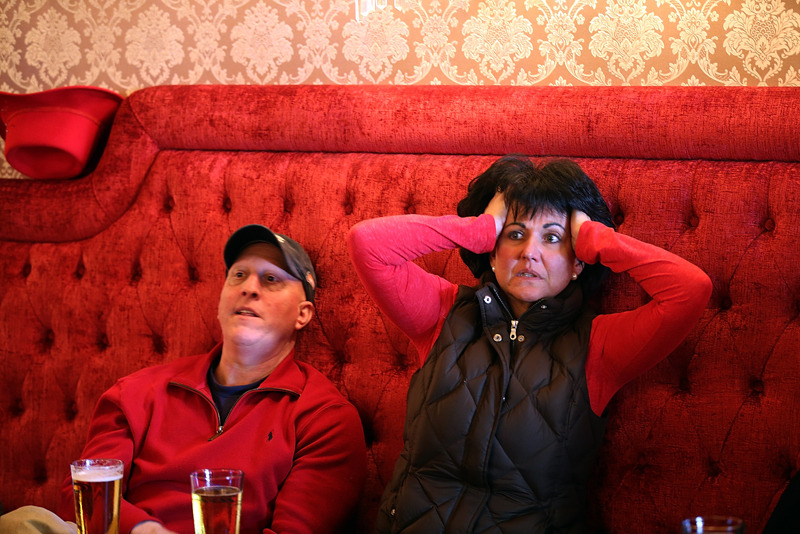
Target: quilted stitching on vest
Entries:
(499, 434)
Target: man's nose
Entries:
(251, 286)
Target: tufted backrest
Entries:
(121, 269)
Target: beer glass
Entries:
(217, 500)
(97, 488)
(713, 524)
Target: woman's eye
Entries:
(552, 238)
(515, 234)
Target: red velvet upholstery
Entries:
(103, 275)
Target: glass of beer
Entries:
(217, 500)
(713, 523)
(97, 487)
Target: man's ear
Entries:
(305, 314)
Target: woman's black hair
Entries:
(558, 184)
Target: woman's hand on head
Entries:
(497, 208)
(578, 218)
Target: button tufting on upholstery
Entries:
(169, 204)
(348, 203)
(619, 218)
(25, 272)
(725, 303)
(47, 339)
(694, 220)
(369, 429)
(684, 385)
(17, 407)
(102, 342)
(194, 274)
(410, 206)
(159, 344)
(136, 272)
(226, 204)
(714, 469)
(769, 225)
(288, 204)
(40, 473)
(756, 387)
(80, 270)
(70, 410)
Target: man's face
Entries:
(261, 303)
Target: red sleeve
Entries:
(110, 436)
(383, 252)
(327, 476)
(624, 345)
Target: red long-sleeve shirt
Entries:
(298, 440)
(622, 345)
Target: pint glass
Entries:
(97, 485)
(713, 524)
(217, 500)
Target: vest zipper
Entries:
(507, 313)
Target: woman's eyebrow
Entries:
(515, 223)
(548, 225)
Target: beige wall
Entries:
(124, 45)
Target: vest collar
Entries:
(545, 316)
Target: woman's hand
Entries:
(151, 527)
(578, 218)
(497, 208)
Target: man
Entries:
(248, 404)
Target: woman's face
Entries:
(533, 258)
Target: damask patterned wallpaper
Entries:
(125, 45)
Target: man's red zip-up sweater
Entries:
(299, 442)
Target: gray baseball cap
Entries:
(296, 257)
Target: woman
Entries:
(505, 416)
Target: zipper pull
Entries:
(218, 434)
(513, 334)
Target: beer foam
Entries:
(96, 475)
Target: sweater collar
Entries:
(287, 376)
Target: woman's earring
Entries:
(492, 268)
(574, 276)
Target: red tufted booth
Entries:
(121, 269)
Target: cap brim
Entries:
(244, 237)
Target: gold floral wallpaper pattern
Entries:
(125, 45)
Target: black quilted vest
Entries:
(499, 435)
